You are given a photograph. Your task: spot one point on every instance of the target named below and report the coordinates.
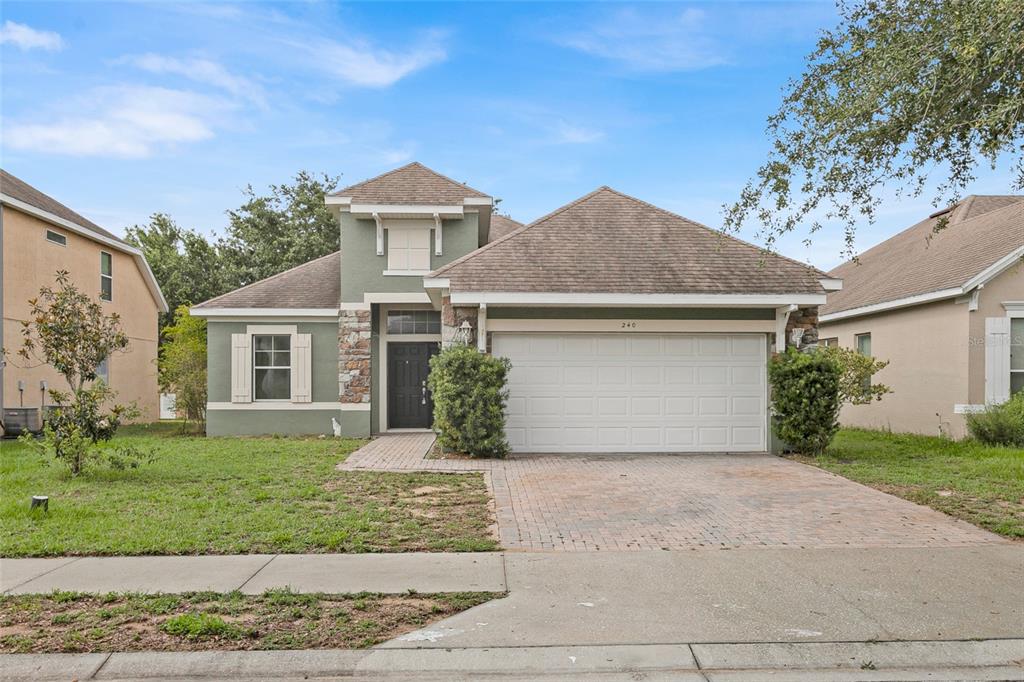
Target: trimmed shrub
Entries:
(469, 401)
(1000, 424)
(805, 399)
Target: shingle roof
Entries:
(413, 183)
(502, 225)
(607, 241)
(980, 231)
(22, 191)
(316, 284)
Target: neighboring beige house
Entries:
(40, 236)
(945, 308)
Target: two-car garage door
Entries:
(631, 392)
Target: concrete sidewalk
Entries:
(977, 660)
(254, 573)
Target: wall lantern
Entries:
(464, 333)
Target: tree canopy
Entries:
(900, 94)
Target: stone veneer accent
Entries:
(453, 317)
(807, 320)
(354, 356)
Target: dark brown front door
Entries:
(409, 403)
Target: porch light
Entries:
(464, 332)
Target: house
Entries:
(945, 308)
(629, 328)
(41, 236)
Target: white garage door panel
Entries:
(635, 392)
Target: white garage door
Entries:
(635, 392)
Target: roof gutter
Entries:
(517, 298)
(140, 258)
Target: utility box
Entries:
(19, 420)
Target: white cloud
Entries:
(27, 38)
(651, 41)
(121, 122)
(358, 63)
(199, 70)
(568, 133)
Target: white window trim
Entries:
(405, 273)
(405, 226)
(1014, 310)
(254, 367)
(110, 276)
(382, 359)
(59, 234)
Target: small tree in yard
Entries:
(469, 401)
(183, 364)
(805, 399)
(855, 373)
(69, 332)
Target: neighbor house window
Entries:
(414, 322)
(106, 276)
(864, 348)
(830, 342)
(56, 238)
(408, 250)
(1016, 354)
(271, 366)
(103, 371)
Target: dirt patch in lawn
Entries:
(68, 622)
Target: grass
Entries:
(235, 496)
(74, 622)
(977, 483)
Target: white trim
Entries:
(781, 320)
(337, 201)
(396, 297)
(268, 329)
(355, 305)
(380, 233)
(611, 299)
(436, 283)
(264, 312)
(59, 234)
(81, 230)
(481, 328)
(996, 269)
(632, 326)
(892, 305)
(478, 201)
(355, 407)
(967, 409)
(437, 235)
(831, 283)
(411, 210)
(1014, 308)
(275, 405)
(405, 273)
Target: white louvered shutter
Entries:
(997, 360)
(241, 368)
(302, 369)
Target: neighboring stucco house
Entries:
(629, 328)
(945, 308)
(41, 236)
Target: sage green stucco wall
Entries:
(324, 367)
(362, 269)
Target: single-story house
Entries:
(629, 328)
(39, 236)
(943, 302)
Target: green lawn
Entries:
(235, 495)
(974, 482)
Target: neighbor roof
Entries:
(413, 183)
(316, 284)
(20, 190)
(607, 241)
(502, 225)
(981, 231)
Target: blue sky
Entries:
(121, 110)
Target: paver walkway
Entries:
(645, 502)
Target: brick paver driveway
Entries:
(643, 502)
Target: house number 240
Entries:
(628, 325)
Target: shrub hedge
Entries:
(805, 399)
(1000, 424)
(469, 401)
